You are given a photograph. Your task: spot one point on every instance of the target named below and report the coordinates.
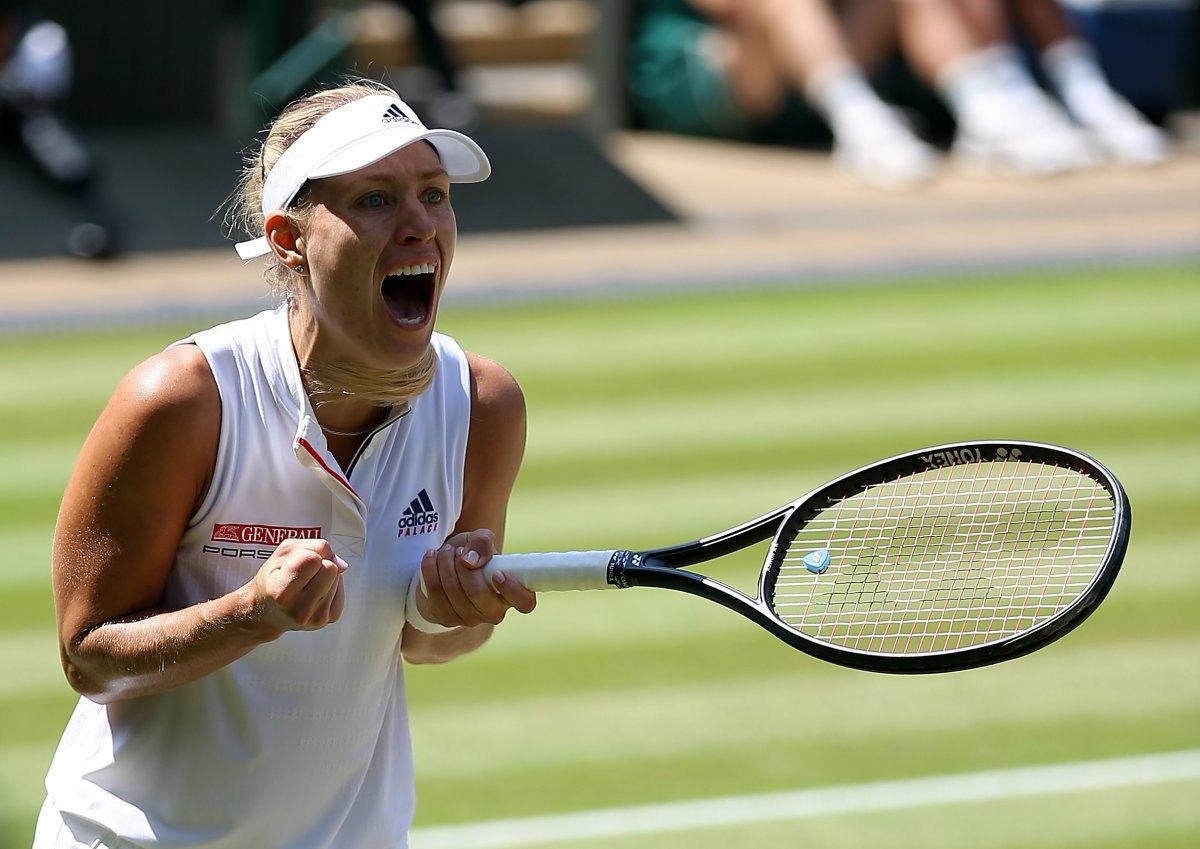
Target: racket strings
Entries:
(946, 559)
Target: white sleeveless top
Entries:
(303, 743)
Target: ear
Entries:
(285, 238)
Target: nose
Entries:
(414, 224)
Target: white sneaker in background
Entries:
(1021, 133)
(1120, 133)
(882, 151)
(1124, 137)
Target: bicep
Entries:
(495, 448)
(141, 473)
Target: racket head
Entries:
(950, 557)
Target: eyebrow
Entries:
(432, 174)
(427, 174)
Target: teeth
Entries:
(423, 268)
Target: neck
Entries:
(335, 380)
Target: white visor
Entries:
(354, 136)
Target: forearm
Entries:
(421, 647)
(158, 650)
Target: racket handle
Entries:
(571, 570)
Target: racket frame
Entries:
(663, 567)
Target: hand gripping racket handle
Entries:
(573, 570)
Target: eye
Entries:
(374, 200)
(436, 196)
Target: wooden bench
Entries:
(533, 61)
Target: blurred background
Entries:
(109, 116)
(915, 233)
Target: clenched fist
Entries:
(299, 587)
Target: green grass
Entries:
(655, 419)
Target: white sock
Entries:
(1010, 69)
(1074, 71)
(989, 90)
(973, 88)
(1122, 132)
(847, 102)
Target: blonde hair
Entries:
(245, 213)
(324, 381)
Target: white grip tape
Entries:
(571, 570)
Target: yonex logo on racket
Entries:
(419, 517)
(953, 457)
(956, 456)
(395, 114)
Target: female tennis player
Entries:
(271, 515)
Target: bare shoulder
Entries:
(160, 427)
(178, 379)
(494, 391)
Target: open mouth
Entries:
(408, 294)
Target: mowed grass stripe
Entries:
(651, 723)
(1097, 359)
(66, 424)
(695, 368)
(755, 817)
(1163, 816)
(601, 513)
(37, 466)
(779, 419)
(729, 650)
(27, 555)
(50, 367)
(632, 333)
(27, 605)
(796, 419)
(21, 789)
(30, 660)
(1100, 304)
(19, 510)
(566, 449)
(808, 763)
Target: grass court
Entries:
(660, 418)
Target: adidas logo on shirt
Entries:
(418, 517)
(395, 114)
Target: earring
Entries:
(299, 269)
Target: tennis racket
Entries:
(947, 558)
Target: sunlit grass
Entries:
(658, 419)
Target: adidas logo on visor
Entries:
(394, 114)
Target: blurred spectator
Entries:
(746, 69)
(35, 73)
(450, 106)
(1004, 122)
(1117, 131)
(750, 69)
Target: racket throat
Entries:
(617, 565)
